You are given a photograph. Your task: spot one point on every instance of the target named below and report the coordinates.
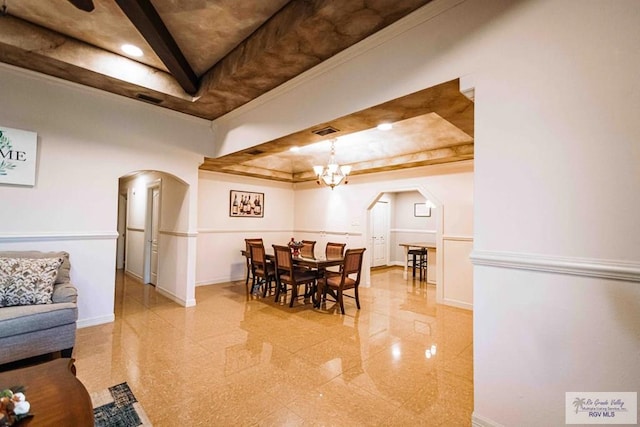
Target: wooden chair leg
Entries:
(357, 298)
(249, 275)
(294, 294)
(278, 288)
(340, 299)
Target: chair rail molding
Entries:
(329, 233)
(178, 233)
(458, 238)
(56, 237)
(242, 231)
(412, 231)
(587, 267)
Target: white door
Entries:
(379, 233)
(155, 222)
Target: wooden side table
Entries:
(56, 396)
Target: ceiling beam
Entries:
(86, 5)
(147, 21)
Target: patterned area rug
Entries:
(117, 407)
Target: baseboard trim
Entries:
(480, 421)
(56, 237)
(458, 304)
(85, 323)
(132, 274)
(218, 280)
(603, 269)
(175, 298)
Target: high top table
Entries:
(417, 245)
(56, 396)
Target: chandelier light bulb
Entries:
(333, 174)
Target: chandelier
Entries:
(333, 174)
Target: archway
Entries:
(158, 246)
(438, 239)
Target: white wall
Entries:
(221, 237)
(556, 181)
(87, 140)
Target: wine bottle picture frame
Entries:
(246, 204)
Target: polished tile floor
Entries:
(241, 360)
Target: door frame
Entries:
(146, 276)
(121, 241)
(387, 231)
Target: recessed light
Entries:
(294, 149)
(132, 50)
(385, 126)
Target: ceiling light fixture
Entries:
(333, 174)
(385, 126)
(132, 50)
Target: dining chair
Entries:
(287, 275)
(334, 250)
(308, 249)
(263, 271)
(338, 283)
(248, 261)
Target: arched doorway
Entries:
(157, 245)
(371, 239)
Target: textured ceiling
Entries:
(431, 126)
(208, 57)
(237, 49)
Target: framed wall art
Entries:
(421, 209)
(18, 153)
(246, 204)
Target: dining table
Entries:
(413, 245)
(320, 264)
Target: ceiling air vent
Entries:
(148, 98)
(325, 131)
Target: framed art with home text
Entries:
(246, 204)
(18, 154)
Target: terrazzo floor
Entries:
(241, 360)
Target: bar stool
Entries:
(418, 259)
